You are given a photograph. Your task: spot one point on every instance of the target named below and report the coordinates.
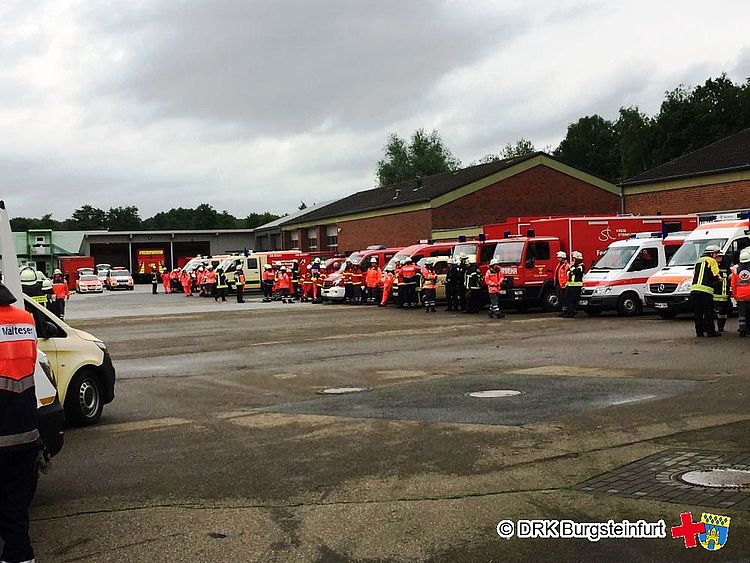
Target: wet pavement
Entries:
(220, 445)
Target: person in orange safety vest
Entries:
(284, 285)
(20, 442)
(307, 284)
(494, 279)
(60, 292)
(319, 282)
(389, 278)
(373, 277)
(429, 286)
(561, 280)
(267, 280)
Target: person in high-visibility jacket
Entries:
(319, 281)
(388, 278)
(561, 280)
(473, 287)
(307, 283)
(740, 283)
(267, 280)
(239, 283)
(705, 280)
(407, 282)
(574, 285)
(60, 292)
(428, 279)
(357, 283)
(284, 284)
(186, 279)
(222, 286)
(373, 277)
(494, 279)
(155, 278)
(165, 282)
(209, 280)
(20, 443)
(722, 302)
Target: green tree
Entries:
(521, 147)
(255, 220)
(86, 218)
(591, 144)
(124, 219)
(424, 155)
(635, 136)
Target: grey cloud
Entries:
(289, 66)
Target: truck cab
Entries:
(618, 279)
(668, 290)
(528, 264)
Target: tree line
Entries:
(689, 118)
(127, 218)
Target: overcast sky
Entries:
(256, 105)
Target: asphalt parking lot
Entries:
(221, 444)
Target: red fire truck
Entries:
(527, 248)
(69, 266)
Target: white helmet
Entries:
(28, 275)
(494, 262)
(373, 260)
(57, 272)
(577, 255)
(463, 256)
(317, 260)
(745, 255)
(407, 260)
(472, 259)
(712, 248)
(282, 269)
(562, 254)
(268, 266)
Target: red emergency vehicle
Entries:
(333, 287)
(528, 258)
(69, 266)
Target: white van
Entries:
(669, 289)
(618, 279)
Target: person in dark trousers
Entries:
(155, 279)
(574, 285)
(429, 286)
(705, 280)
(239, 284)
(561, 280)
(494, 280)
(722, 297)
(20, 443)
(221, 285)
(473, 287)
(451, 291)
(461, 294)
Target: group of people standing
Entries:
(569, 282)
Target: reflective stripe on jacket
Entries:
(706, 275)
(493, 281)
(741, 282)
(722, 289)
(18, 415)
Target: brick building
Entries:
(401, 214)
(713, 178)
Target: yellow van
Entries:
(81, 364)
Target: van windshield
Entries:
(356, 257)
(691, 250)
(467, 249)
(509, 252)
(616, 258)
(398, 258)
(226, 265)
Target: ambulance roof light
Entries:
(482, 237)
(530, 233)
(461, 238)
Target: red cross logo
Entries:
(688, 529)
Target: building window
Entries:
(332, 236)
(295, 240)
(312, 239)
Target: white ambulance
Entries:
(668, 290)
(618, 279)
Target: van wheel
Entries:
(83, 403)
(550, 301)
(629, 305)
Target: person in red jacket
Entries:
(186, 279)
(740, 283)
(561, 280)
(165, 281)
(373, 278)
(267, 279)
(493, 279)
(318, 287)
(61, 293)
(284, 285)
(388, 278)
(429, 286)
(408, 283)
(307, 284)
(209, 281)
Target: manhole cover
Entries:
(717, 477)
(494, 393)
(344, 390)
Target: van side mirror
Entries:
(530, 262)
(49, 330)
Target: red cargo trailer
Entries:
(69, 266)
